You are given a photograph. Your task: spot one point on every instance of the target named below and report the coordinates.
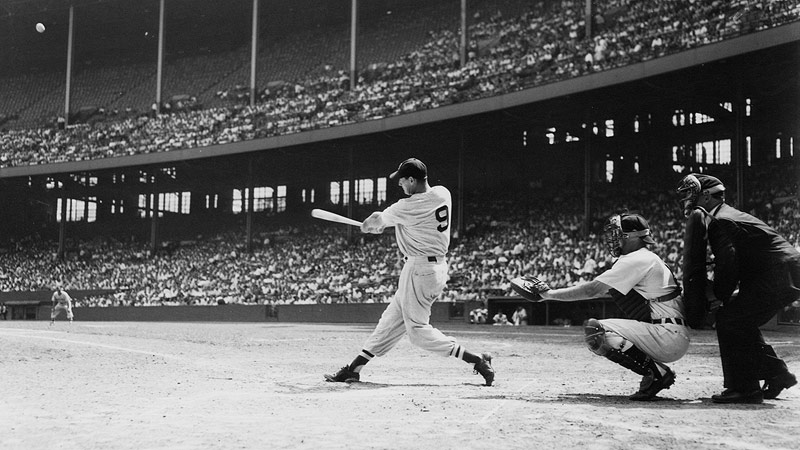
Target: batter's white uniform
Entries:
(61, 302)
(647, 274)
(422, 229)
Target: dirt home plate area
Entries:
(127, 385)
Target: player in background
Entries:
(520, 316)
(422, 230)
(645, 289)
(766, 268)
(60, 301)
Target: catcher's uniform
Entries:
(644, 287)
(422, 229)
(61, 301)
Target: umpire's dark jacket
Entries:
(747, 252)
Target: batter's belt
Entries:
(432, 259)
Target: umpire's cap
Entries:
(633, 222)
(412, 167)
(709, 184)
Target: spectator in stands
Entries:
(548, 37)
(208, 265)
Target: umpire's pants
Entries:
(746, 358)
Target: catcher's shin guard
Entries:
(633, 359)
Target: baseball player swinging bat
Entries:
(333, 217)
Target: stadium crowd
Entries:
(540, 234)
(544, 44)
(312, 263)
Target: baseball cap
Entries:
(412, 167)
(634, 222)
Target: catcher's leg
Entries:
(655, 376)
(619, 350)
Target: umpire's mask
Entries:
(692, 185)
(688, 191)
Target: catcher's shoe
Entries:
(484, 367)
(773, 387)
(650, 385)
(344, 375)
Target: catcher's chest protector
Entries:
(633, 305)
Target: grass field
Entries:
(124, 385)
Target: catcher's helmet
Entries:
(694, 184)
(625, 226)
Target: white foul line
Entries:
(95, 344)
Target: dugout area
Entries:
(554, 313)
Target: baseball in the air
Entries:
(40, 27)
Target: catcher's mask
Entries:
(692, 185)
(625, 226)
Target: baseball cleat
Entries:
(773, 387)
(484, 367)
(344, 375)
(650, 385)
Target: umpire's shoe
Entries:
(754, 396)
(774, 386)
(344, 375)
(652, 385)
(484, 367)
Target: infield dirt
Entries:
(124, 385)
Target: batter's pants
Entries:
(420, 284)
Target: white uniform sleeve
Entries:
(373, 224)
(624, 274)
(400, 213)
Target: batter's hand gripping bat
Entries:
(333, 217)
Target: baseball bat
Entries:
(333, 217)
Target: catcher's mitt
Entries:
(530, 288)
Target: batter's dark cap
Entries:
(635, 222)
(412, 167)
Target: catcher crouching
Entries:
(654, 331)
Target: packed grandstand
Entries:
(514, 45)
(304, 262)
(531, 44)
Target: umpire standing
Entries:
(766, 268)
